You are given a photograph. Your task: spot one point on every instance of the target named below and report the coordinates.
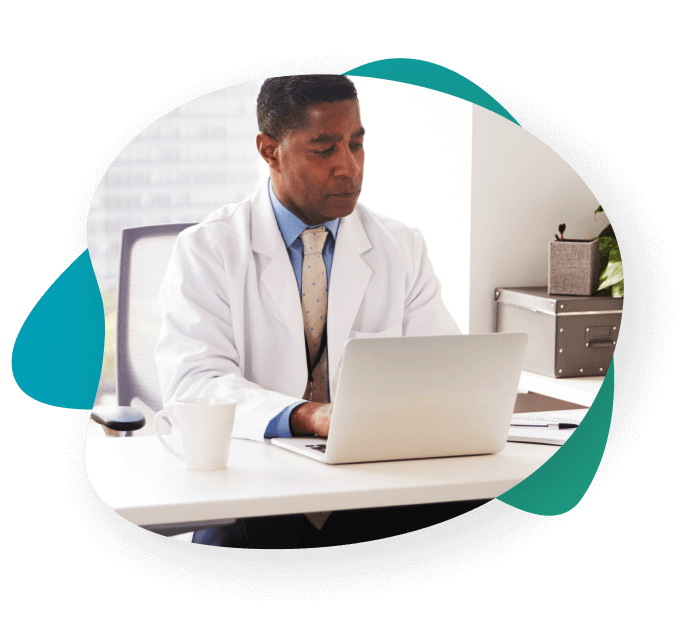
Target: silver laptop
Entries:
(420, 397)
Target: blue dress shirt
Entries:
(291, 227)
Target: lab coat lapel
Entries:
(276, 272)
(349, 280)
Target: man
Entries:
(260, 298)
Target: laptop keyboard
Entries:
(321, 447)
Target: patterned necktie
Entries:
(314, 305)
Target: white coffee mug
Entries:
(205, 427)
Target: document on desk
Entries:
(546, 436)
(533, 427)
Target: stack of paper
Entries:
(534, 427)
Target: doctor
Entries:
(260, 298)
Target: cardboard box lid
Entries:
(537, 299)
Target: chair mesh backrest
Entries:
(145, 254)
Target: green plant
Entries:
(611, 281)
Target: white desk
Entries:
(580, 391)
(148, 486)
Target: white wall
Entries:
(417, 171)
(521, 192)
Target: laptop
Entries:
(399, 398)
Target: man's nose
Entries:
(348, 164)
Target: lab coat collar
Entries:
(276, 272)
(350, 277)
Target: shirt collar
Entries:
(290, 225)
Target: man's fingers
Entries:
(323, 416)
(325, 410)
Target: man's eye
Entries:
(330, 150)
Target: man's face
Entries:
(320, 166)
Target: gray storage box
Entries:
(569, 336)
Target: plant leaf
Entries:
(612, 272)
(611, 281)
(607, 232)
(605, 246)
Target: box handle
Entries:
(601, 343)
(600, 336)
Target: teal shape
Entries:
(431, 76)
(57, 356)
(559, 484)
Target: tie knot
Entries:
(313, 240)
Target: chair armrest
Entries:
(121, 418)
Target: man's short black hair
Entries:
(282, 101)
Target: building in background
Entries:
(191, 161)
(188, 163)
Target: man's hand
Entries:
(311, 418)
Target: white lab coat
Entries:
(232, 319)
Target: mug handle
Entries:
(158, 418)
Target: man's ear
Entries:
(268, 149)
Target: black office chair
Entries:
(145, 253)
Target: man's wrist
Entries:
(301, 420)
